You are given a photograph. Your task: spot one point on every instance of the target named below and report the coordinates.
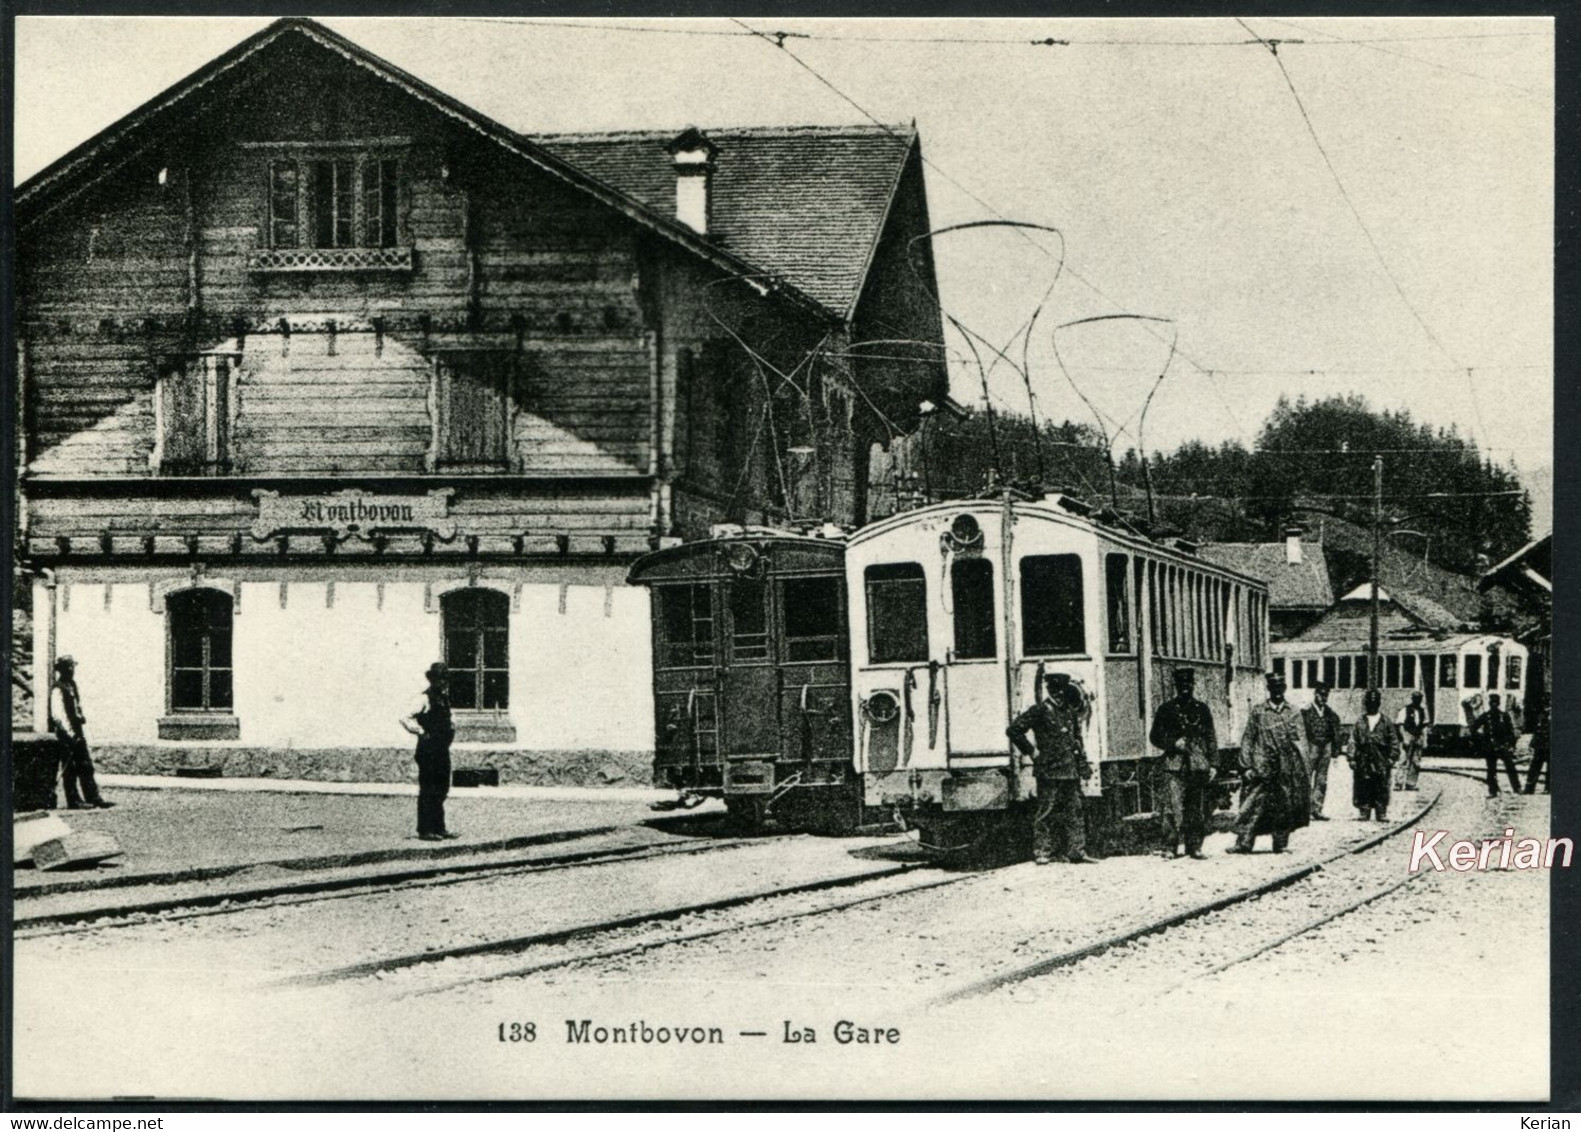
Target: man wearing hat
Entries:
(1059, 762)
(1183, 730)
(66, 720)
(1278, 796)
(1494, 733)
(1324, 738)
(1412, 722)
(429, 720)
(1373, 749)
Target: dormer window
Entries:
(339, 212)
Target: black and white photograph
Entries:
(768, 558)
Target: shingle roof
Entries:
(806, 203)
(1304, 585)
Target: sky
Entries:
(1368, 210)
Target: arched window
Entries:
(477, 648)
(200, 651)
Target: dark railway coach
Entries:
(752, 688)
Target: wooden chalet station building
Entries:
(326, 376)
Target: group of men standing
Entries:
(1284, 763)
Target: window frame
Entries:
(1024, 590)
(220, 375)
(1127, 603)
(841, 636)
(662, 642)
(213, 600)
(915, 576)
(1471, 671)
(443, 375)
(307, 197)
(1449, 670)
(482, 597)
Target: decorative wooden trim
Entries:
(160, 589)
(392, 142)
(330, 259)
(434, 591)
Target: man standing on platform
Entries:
(1277, 797)
(1373, 749)
(66, 721)
(1060, 763)
(430, 721)
(1324, 738)
(1412, 722)
(1183, 730)
(1539, 752)
(1494, 733)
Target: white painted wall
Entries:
(318, 674)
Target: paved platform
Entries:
(173, 829)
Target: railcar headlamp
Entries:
(882, 707)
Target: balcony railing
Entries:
(330, 259)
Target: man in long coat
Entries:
(1183, 730)
(1373, 748)
(1059, 763)
(1412, 722)
(1324, 735)
(1277, 797)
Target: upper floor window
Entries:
(339, 202)
(476, 398)
(195, 415)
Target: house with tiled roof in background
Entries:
(1296, 572)
(326, 376)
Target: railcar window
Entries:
(1344, 680)
(897, 613)
(1312, 673)
(1446, 671)
(1051, 605)
(1119, 593)
(1155, 618)
(1391, 672)
(1472, 678)
(1493, 670)
(1512, 673)
(1297, 671)
(749, 623)
(686, 626)
(1408, 671)
(814, 620)
(972, 588)
(1330, 671)
(1279, 667)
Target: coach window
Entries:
(1512, 674)
(814, 620)
(1391, 672)
(1279, 667)
(1472, 677)
(1446, 671)
(1344, 680)
(972, 589)
(1408, 670)
(1119, 593)
(1051, 605)
(1155, 615)
(897, 613)
(686, 626)
(1493, 671)
(1330, 672)
(749, 621)
(1297, 670)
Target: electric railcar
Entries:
(832, 680)
(1455, 674)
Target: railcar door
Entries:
(815, 691)
(975, 690)
(749, 680)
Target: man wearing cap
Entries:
(429, 720)
(1540, 726)
(1059, 762)
(1183, 730)
(1323, 732)
(1412, 722)
(1373, 748)
(1278, 796)
(1494, 733)
(66, 720)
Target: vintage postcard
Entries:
(783, 559)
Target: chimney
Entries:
(1292, 546)
(694, 156)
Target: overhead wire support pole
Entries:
(1377, 547)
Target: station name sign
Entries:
(353, 513)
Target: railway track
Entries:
(223, 901)
(1137, 933)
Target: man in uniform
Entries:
(1412, 722)
(1278, 795)
(1494, 732)
(1183, 730)
(1539, 752)
(1323, 733)
(1059, 762)
(429, 720)
(66, 720)
(1373, 749)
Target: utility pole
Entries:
(1377, 545)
